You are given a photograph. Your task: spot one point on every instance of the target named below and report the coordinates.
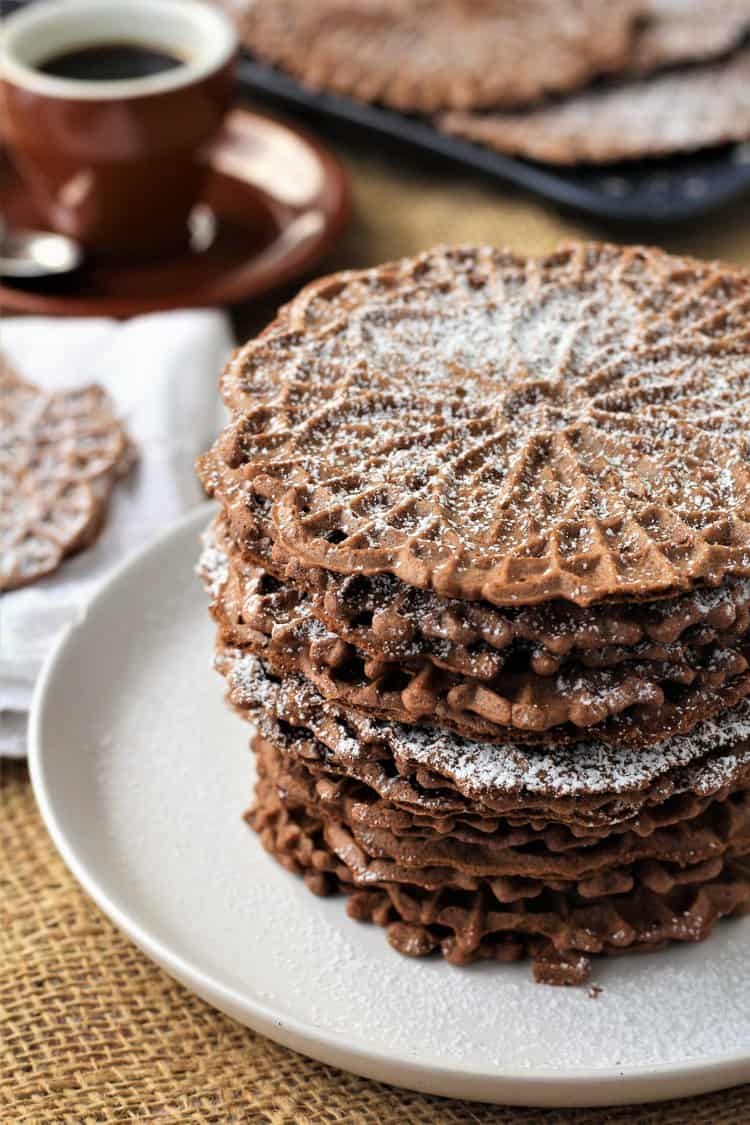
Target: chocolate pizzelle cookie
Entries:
(481, 578)
(60, 456)
(503, 429)
(271, 619)
(672, 111)
(427, 55)
(685, 31)
(562, 81)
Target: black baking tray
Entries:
(648, 191)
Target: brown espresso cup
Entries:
(116, 163)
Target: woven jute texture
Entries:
(90, 1030)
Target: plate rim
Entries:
(539, 1086)
(233, 287)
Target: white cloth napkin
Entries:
(161, 372)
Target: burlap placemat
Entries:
(90, 1030)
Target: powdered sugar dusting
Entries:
(503, 428)
(482, 769)
(213, 564)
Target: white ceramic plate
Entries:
(142, 775)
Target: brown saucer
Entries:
(279, 201)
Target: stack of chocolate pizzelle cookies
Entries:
(563, 81)
(481, 574)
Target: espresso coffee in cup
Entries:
(109, 62)
(108, 108)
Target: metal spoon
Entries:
(36, 253)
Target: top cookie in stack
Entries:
(501, 496)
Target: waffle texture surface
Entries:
(501, 428)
